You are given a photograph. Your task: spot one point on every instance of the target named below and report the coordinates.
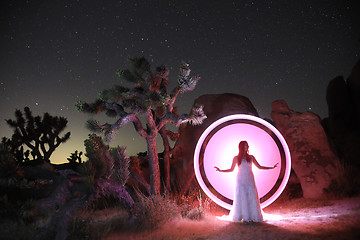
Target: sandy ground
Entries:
(296, 219)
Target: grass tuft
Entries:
(152, 211)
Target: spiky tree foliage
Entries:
(107, 169)
(107, 162)
(121, 165)
(148, 97)
(40, 135)
(100, 163)
(75, 156)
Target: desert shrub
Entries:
(97, 223)
(79, 230)
(17, 219)
(186, 202)
(152, 211)
(196, 214)
(193, 206)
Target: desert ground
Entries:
(293, 219)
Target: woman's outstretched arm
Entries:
(262, 167)
(230, 169)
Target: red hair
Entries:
(243, 153)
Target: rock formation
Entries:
(354, 89)
(313, 161)
(316, 151)
(343, 123)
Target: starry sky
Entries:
(54, 53)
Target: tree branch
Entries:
(117, 108)
(174, 94)
(151, 121)
(110, 129)
(168, 117)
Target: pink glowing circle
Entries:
(217, 146)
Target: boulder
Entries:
(354, 88)
(313, 161)
(343, 123)
(215, 107)
(339, 104)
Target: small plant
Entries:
(95, 223)
(75, 157)
(199, 212)
(79, 230)
(194, 206)
(154, 210)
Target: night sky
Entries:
(54, 53)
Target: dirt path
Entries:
(297, 219)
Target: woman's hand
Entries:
(217, 169)
(275, 165)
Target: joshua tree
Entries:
(147, 97)
(40, 135)
(75, 157)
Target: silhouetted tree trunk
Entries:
(166, 157)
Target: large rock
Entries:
(313, 161)
(354, 88)
(343, 122)
(215, 107)
(339, 108)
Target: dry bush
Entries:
(148, 213)
(95, 224)
(193, 206)
(18, 219)
(152, 211)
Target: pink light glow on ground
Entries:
(298, 218)
(221, 145)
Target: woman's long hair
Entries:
(243, 153)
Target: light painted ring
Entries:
(243, 123)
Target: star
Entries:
(57, 53)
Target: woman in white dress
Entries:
(246, 204)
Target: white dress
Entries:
(246, 204)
